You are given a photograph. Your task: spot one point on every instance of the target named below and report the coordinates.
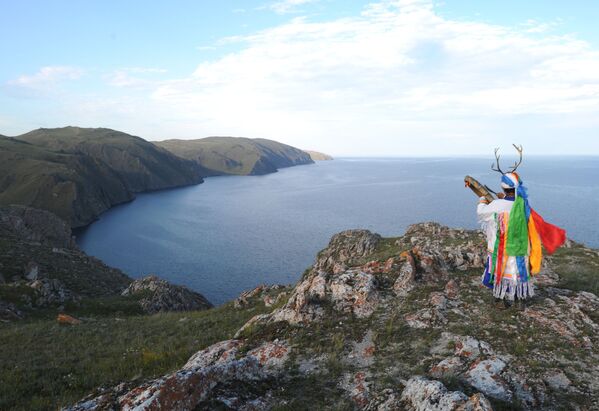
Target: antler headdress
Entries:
(496, 167)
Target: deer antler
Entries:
(517, 163)
(497, 156)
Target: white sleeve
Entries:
(485, 212)
(486, 219)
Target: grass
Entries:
(577, 268)
(44, 365)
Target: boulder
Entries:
(406, 280)
(422, 394)
(485, 376)
(50, 291)
(159, 295)
(220, 365)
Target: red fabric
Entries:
(551, 235)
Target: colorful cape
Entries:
(520, 235)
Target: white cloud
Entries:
(397, 79)
(398, 71)
(289, 6)
(133, 77)
(44, 81)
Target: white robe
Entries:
(486, 218)
(511, 285)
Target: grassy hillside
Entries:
(74, 187)
(237, 155)
(140, 164)
(44, 365)
(79, 173)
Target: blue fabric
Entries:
(522, 271)
(487, 276)
(505, 179)
(521, 191)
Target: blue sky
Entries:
(408, 77)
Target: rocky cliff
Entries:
(391, 324)
(237, 155)
(318, 156)
(77, 173)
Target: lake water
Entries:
(230, 234)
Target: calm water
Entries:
(233, 233)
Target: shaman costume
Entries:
(514, 234)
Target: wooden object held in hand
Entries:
(479, 189)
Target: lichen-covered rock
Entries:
(443, 248)
(356, 385)
(485, 376)
(346, 248)
(557, 380)
(421, 394)
(354, 292)
(406, 280)
(186, 389)
(160, 296)
(448, 367)
(269, 294)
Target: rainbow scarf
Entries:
(520, 234)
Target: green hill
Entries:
(74, 187)
(142, 165)
(78, 173)
(237, 155)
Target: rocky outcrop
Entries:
(157, 295)
(421, 394)
(345, 249)
(221, 365)
(391, 324)
(41, 265)
(36, 226)
(269, 295)
(51, 292)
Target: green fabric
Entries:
(517, 232)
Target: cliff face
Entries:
(396, 323)
(237, 155)
(79, 173)
(318, 156)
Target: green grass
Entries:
(44, 365)
(578, 269)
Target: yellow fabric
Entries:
(536, 253)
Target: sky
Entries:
(350, 78)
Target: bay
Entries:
(232, 233)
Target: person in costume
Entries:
(514, 233)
